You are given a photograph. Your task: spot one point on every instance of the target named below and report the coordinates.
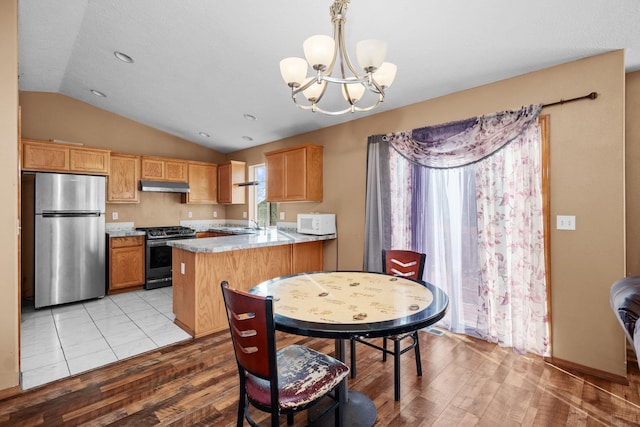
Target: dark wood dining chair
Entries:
(408, 264)
(280, 382)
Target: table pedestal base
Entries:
(358, 411)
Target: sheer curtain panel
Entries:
(468, 194)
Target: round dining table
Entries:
(344, 304)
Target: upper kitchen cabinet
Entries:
(66, 158)
(164, 169)
(122, 182)
(203, 183)
(294, 174)
(230, 174)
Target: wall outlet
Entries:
(190, 214)
(281, 215)
(566, 222)
(114, 215)
(244, 214)
(215, 214)
(182, 268)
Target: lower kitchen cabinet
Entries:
(197, 298)
(126, 264)
(308, 256)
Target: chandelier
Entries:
(324, 54)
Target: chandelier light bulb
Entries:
(315, 91)
(319, 51)
(385, 74)
(293, 70)
(352, 92)
(370, 54)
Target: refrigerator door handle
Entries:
(62, 214)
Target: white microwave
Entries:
(316, 223)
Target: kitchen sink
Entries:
(237, 230)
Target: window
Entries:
(265, 213)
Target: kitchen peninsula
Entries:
(244, 260)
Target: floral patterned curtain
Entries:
(468, 194)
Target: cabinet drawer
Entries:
(123, 242)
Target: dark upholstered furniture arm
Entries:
(625, 302)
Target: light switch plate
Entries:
(566, 222)
(114, 215)
(281, 215)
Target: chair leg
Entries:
(353, 357)
(338, 412)
(241, 406)
(275, 418)
(384, 345)
(396, 369)
(290, 419)
(418, 359)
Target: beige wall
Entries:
(587, 180)
(49, 116)
(632, 110)
(9, 315)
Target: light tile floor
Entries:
(65, 340)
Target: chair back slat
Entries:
(403, 263)
(253, 337)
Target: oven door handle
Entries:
(161, 242)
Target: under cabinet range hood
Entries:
(164, 186)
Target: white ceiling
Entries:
(201, 64)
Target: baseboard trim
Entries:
(565, 364)
(9, 392)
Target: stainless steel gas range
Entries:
(158, 253)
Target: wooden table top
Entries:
(342, 304)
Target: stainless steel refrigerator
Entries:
(69, 238)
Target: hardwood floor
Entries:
(465, 382)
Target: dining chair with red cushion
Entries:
(285, 381)
(408, 264)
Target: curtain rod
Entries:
(592, 95)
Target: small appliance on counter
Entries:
(317, 223)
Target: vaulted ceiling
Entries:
(202, 65)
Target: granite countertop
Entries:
(256, 239)
(125, 233)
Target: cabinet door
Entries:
(89, 161)
(224, 183)
(152, 169)
(203, 185)
(44, 156)
(295, 175)
(230, 174)
(126, 262)
(175, 171)
(308, 256)
(274, 164)
(122, 183)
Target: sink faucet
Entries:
(256, 225)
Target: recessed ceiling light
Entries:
(249, 117)
(247, 138)
(123, 57)
(204, 134)
(98, 93)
